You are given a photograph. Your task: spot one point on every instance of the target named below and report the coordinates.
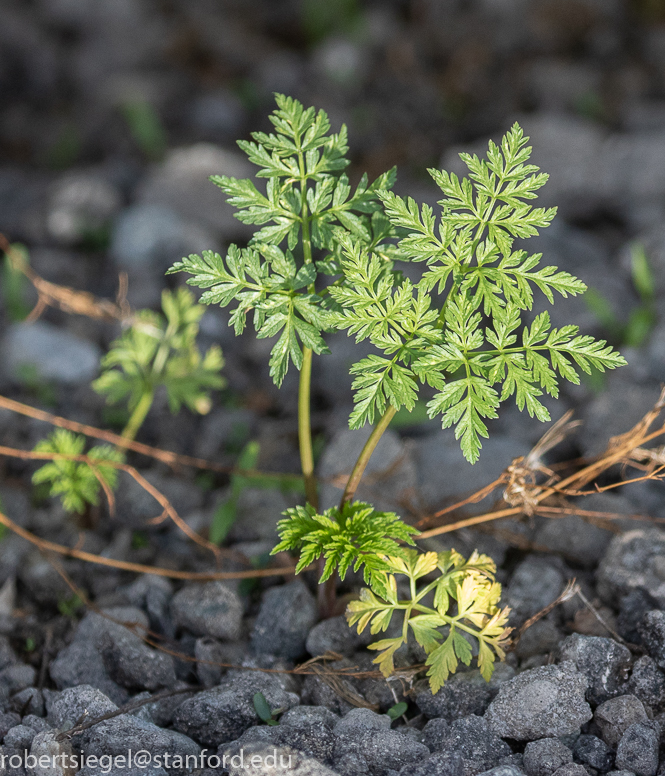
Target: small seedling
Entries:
(77, 483)
(643, 319)
(263, 710)
(160, 351)
(69, 607)
(325, 258)
(396, 711)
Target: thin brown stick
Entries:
(571, 589)
(618, 452)
(62, 297)
(140, 568)
(165, 456)
(166, 505)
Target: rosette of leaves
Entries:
(161, 351)
(470, 344)
(451, 617)
(76, 482)
(277, 277)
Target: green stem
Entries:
(305, 430)
(366, 454)
(304, 387)
(138, 416)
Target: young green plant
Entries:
(324, 260)
(155, 352)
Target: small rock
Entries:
(441, 452)
(601, 660)
(375, 752)
(29, 701)
(637, 750)
(652, 631)
(117, 735)
(8, 720)
(316, 692)
(59, 754)
(17, 677)
(153, 237)
(541, 638)
(210, 609)
(542, 702)
(535, 583)
(571, 769)
(464, 693)
(53, 353)
(7, 654)
(218, 114)
(574, 538)
(335, 635)
(435, 734)
(131, 662)
(439, 764)
(634, 560)
(616, 715)
(81, 204)
(476, 743)
(38, 724)
(181, 183)
(285, 618)
(503, 770)
(207, 652)
(127, 659)
(615, 411)
(220, 715)
(361, 720)
(593, 751)
(19, 737)
(309, 715)
(632, 610)
(81, 664)
(260, 759)
(544, 757)
(341, 61)
(647, 682)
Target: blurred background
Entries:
(113, 114)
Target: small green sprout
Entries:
(643, 319)
(398, 710)
(160, 351)
(263, 710)
(77, 483)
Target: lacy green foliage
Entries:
(472, 342)
(305, 198)
(76, 482)
(463, 613)
(354, 536)
(161, 351)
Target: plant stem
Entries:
(138, 415)
(304, 423)
(366, 454)
(305, 431)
